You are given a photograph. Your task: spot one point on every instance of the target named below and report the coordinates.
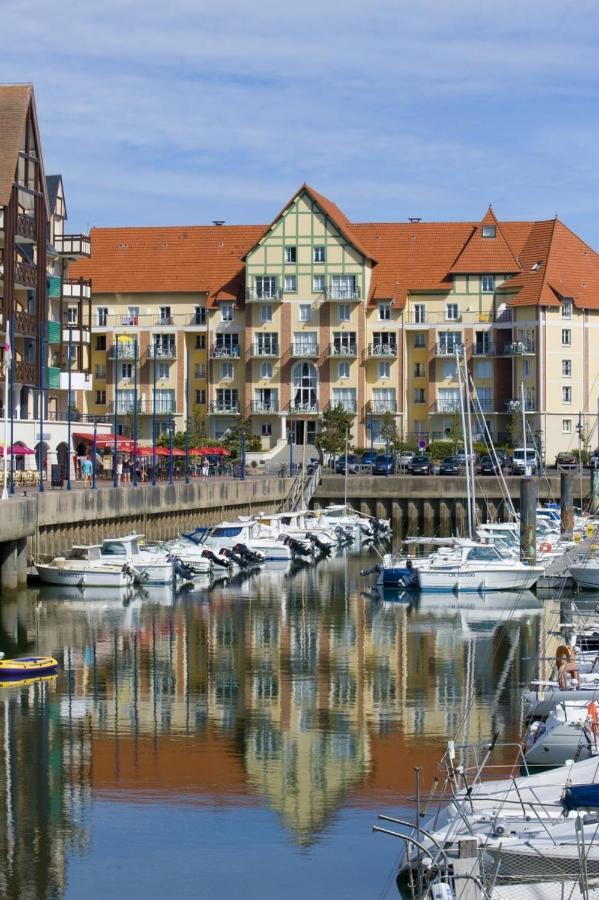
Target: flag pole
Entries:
(7, 364)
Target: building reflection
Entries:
(297, 692)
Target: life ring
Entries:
(546, 547)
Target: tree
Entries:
(232, 441)
(389, 433)
(336, 422)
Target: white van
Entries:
(519, 462)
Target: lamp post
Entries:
(115, 457)
(387, 459)
(134, 429)
(154, 413)
(539, 445)
(171, 459)
(290, 442)
(69, 403)
(94, 452)
(12, 413)
(187, 405)
(243, 439)
(371, 427)
(42, 459)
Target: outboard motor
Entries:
(298, 548)
(324, 548)
(250, 556)
(373, 570)
(343, 535)
(234, 557)
(183, 570)
(217, 560)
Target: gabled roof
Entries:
(486, 254)
(53, 183)
(332, 211)
(556, 263)
(14, 104)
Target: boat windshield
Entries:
(78, 553)
(483, 554)
(113, 548)
(229, 531)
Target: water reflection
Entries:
(287, 689)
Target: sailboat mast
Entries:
(463, 418)
(471, 448)
(523, 404)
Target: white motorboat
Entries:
(569, 732)
(367, 527)
(586, 574)
(228, 535)
(84, 566)
(471, 566)
(152, 565)
(301, 525)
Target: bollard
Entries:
(528, 520)
(594, 507)
(567, 503)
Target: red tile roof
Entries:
(408, 257)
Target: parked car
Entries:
(451, 465)
(405, 458)
(505, 460)
(421, 465)
(369, 457)
(352, 464)
(384, 465)
(488, 466)
(518, 464)
(565, 460)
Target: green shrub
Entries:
(440, 449)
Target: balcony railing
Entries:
(25, 275)
(380, 407)
(128, 320)
(448, 349)
(261, 295)
(73, 245)
(77, 289)
(61, 415)
(25, 324)
(519, 348)
(380, 351)
(218, 351)
(515, 406)
(343, 294)
(125, 350)
(302, 351)
(348, 406)
(445, 406)
(343, 349)
(264, 407)
(224, 409)
(308, 408)
(163, 351)
(26, 227)
(145, 406)
(429, 317)
(265, 350)
(484, 349)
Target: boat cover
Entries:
(581, 796)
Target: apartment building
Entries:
(279, 322)
(49, 312)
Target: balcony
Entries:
(25, 324)
(54, 332)
(342, 350)
(308, 408)
(261, 295)
(218, 351)
(25, 275)
(380, 407)
(515, 406)
(123, 350)
(519, 348)
(341, 294)
(73, 246)
(484, 349)
(145, 406)
(303, 351)
(448, 349)
(224, 409)
(264, 407)
(25, 228)
(25, 373)
(163, 351)
(382, 351)
(265, 351)
(53, 283)
(445, 406)
(77, 289)
(348, 406)
(53, 378)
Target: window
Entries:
(344, 343)
(226, 312)
(319, 254)
(345, 397)
(482, 368)
(165, 345)
(526, 368)
(419, 395)
(566, 337)
(267, 343)
(163, 370)
(201, 396)
(420, 340)
(290, 284)
(102, 314)
(165, 315)
(100, 342)
(343, 371)
(318, 284)
(384, 370)
(487, 284)
(126, 370)
(101, 372)
(449, 341)
(290, 254)
(132, 317)
(200, 341)
(227, 399)
(566, 368)
(419, 370)
(266, 370)
(420, 312)
(101, 398)
(384, 312)
(227, 371)
(451, 312)
(265, 287)
(566, 308)
(266, 312)
(567, 426)
(305, 312)
(489, 231)
(199, 315)
(266, 427)
(566, 395)
(383, 400)
(305, 343)
(344, 312)
(343, 287)
(200, 370)
(450, 370)
(384, 343)
(418, 426)
(449, 400)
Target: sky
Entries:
(181, 111)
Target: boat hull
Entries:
(451, 580)
(586, 577)
(28, 667)
(81, 577)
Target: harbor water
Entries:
(238, 739)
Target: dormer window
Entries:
(566, 308)
(536, 266)
(489, 231)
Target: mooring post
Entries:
(528, 520)
(594, 505)
(567, 503)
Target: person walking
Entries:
(86, 470)
(205, 468)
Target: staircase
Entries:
(302, 490)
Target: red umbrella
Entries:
(177, 452)
(209, 451)
(18, 449)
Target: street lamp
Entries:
(134, 429)
(94, 452)
(187, 405)
(243, 440)
(69, 403)
(171, 435)
(290, 442)
(115, 457)
(154, 413)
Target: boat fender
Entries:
(546, 547)
(594, 717)
(498, 828)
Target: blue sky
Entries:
(184, 111)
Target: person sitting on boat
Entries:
(567, 667)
